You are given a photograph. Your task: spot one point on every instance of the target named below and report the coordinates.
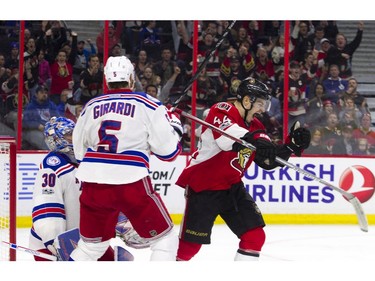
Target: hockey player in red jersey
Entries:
(213, 178)
(113, 139)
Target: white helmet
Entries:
(118, 69)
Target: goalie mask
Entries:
(119, 69)
(55, 132)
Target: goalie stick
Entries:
(204, 63)
(30, 251)
(362, 219)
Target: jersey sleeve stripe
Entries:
(171, 156)
(48, 211)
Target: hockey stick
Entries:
(204, 63)
(30, 251)
(362, 219)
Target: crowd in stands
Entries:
(63, 71)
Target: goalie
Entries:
(55, 214)
(223, 192)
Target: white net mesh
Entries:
(4, 199)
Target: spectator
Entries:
(55, 37)
(278, 53)
(296, 94)
(64, 96)
(36, 114)
(81, 60)
(317, 36)
(12, 60)
(273, 116)
(91, 78)
(151, 78)
(129, 34)
(44, 70)
(264, 70)
(316, 145)
(272, 29)
(209, 91)
(342, 53)
(322, 71)
(334, 84)
(31, 70)
(365, 131)
(181, 39)
(170, 92)
(330, 29)
(149, 40)
(10, 114)
(332, 131)
(315, 110)
(235, 66)
(164, 68)
(114, 37)
(350, 114)
(301, 40)
(116, 51)
(362, 147)
(243, 37)
(309, 67)
(61, 76)
(141, 62)
(204, 47)
(346, 144)
(352, 92)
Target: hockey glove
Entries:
(265, 149)
(175, 122)
(298, 139)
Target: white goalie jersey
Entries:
(55, 201)
(115, 135)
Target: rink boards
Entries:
(283, 195)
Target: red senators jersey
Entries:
(214, 166)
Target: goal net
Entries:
(8, 197)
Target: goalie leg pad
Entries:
(122, 255)
(165, 248)
(65, 243)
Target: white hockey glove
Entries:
(126, 232)
(175, 122)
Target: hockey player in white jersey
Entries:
(113, 139)
(56, 196)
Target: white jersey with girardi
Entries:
(115, 135)
(55, 200)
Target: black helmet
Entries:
(254, 89)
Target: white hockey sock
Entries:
(89, 251)
(165, 248)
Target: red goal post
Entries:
(8, 196)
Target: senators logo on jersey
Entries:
(240, 163)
